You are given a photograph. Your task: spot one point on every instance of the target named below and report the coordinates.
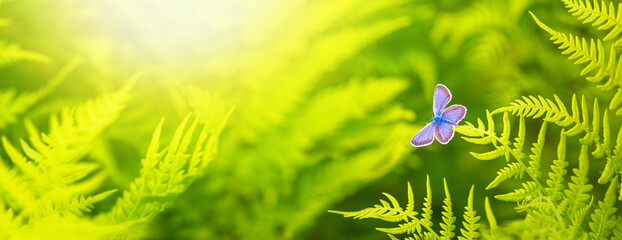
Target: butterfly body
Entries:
(443, 122)
(439, 119)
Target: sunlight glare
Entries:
(177, 29)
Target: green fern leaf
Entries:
(598, 15)
(9, 221)
(384, 211)
(576, 220)
(409, 227)
(79, 204)
(17, 191)
(11, 53)
(392, 212)
(447, 225)
(617, 232)
(558, 171)
(163, 176)
(492, 221)
(529, 191)
(480, 135)
(613, 161)
(470, 224)
(512, 170)
(603, 218)
(12, 105)
(593, 54)
(536, 158)
(426, 212)
(577, 192)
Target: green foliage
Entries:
(12, 53)
(604, 218)
(555, 205)
(324, 94)
(593, 53)
(13, 104)
(420, 227)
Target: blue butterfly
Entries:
(443, 122)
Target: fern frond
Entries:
(603, 218)
(529, 191)
(538, 211)
(257, 118)
(536, 157)
(470, 223)
(12, 104)
(426, 212)
(614, 161)
(390, 212)
(577, 192)
(9, 221)
(70, 138)
(16, 191)
(512, 170)
(540, 107)
(447, 225)
(79, 204)
(492, 221)
(485, 135)
(617, 232)
(502, 149)
(593, 54)
(11, 53)
(420, 227)
(165, 173)
(339, 99)
(558, 171)
(599, 15)
(576, 221)
(579, 121)
(410, 227)
(48, 169)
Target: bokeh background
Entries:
(327, 94)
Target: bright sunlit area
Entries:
(164, 32)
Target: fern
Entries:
(9, 221)
(48, 179)
(579, 122)
(51, 166)
(11, 53)
(471, 225)
(593, 54)
(420, 227)
(577, 192)
(427, 205)
(554, 206)
(166, 173)
(558, 171)
(12, 104)
(599, 15)
(603, 218)
(447, 225)
(481, 135)
(492, 221)
(512, 170)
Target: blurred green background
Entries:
(327, 95)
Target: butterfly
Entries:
(443, 122)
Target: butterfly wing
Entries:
(425, 136)
(454, 113)
(442, 96)
(444, 132)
